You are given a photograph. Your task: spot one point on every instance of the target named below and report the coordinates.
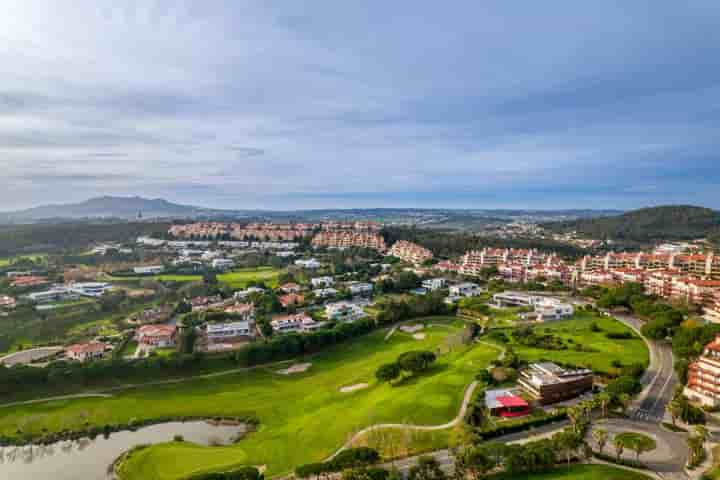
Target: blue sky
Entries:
(328, 104)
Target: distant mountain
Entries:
(108, 207)
(672, 222)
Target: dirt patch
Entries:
(352, 388)
(419, 336)
(297, 368)
(412, 328)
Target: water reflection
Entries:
(89, 459)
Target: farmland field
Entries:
(305, 409)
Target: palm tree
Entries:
(619, 445)
(604, 402)
(600, 436)
(624, 401)
(574, 414)
(702, 432)
(695, 447)
(674, 408)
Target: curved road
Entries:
(659, 380)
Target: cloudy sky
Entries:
(278, 104)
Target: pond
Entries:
(89, 459)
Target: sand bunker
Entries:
(352, 388)
(412, 328)
(297, 368)
(419, 336)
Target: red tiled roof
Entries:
(512, 401)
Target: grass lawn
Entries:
(130, 348)
(238, 279)
(4, 262)
(578, 472)
(303, 417)
(605, 350)
(402, 442)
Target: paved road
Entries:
(659, 381)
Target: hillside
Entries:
(672, 222)
(107, 207)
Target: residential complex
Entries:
(156, 335)
(703, 383)
(410, 252)
(344, 311)
(348, 239)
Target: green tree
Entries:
(601, 437)
(388, 372)
(427, 468)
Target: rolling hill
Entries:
(671, 222)
(108, 207)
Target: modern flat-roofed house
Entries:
(149, 270)
(83, 352)
(360, 288)
(467, 289)
(290, 287)
(550, 383)
(223, 332)
(322, 282)
(344, 311)
(55, 294)
(308, 263)
(294, 323)
(157, 335)
(243, 294)
(433, 284)
(325, 292)
(89, 289)
(505, 403)
(7, 303)
(222, 263)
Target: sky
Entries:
(328, 104)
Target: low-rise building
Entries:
(550, 383)
(344, 311)
(360, 288)
(89, 289)
(55, 294)
(28, 281)
(291, 299)
(325, 292)
(244, 311)
(243, 294)
(467, 289)
(505, 403)
(222, 263)
(310, 264)
(84, 352)
(321, 282)
(7, 303)
(433, 284)
(290, 287)
(300, 323)
(149, 270)
(157, 335)
(225, 332)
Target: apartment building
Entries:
(410, 252)
(320, 282)
(703, 384)
(349, 239)
(660, 283)
(466, 289)
(694, 291)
